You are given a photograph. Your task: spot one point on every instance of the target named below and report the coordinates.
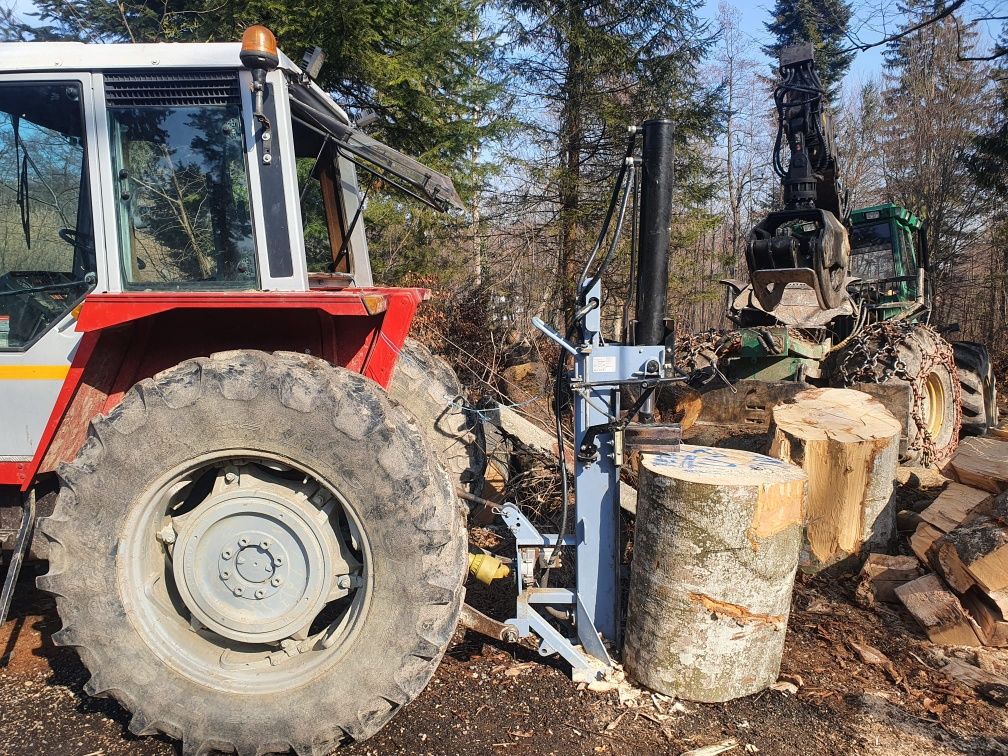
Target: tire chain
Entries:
(873, 357)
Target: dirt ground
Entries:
(488, 698)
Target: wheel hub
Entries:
(256, 563)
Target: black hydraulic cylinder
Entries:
(655, 229)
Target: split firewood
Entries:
(988, 617)
(882, 573)
(981, 547)
(938, 612)
(848, 444)
(1000, 600)
(953, 506)
(922, 541)
(982, 463)
(945, 559)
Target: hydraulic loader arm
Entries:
(806, 123)
(806, 242)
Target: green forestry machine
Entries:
(837, 298)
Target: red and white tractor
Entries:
(256, 543)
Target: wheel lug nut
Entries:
(230, 477)
(343, 582)
(226, 574)
(226, 553)
(278, 560)
(243, 542)
(259, 594)
(275, 582)
(239, 591)
(264, 544)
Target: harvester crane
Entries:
(807, 241)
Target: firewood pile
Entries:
(956, 585)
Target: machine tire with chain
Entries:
(979, 388)
(426, 386)
(914, 353)
(257, 552)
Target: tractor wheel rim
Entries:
(934, 405)
(255, 566)
(283, 614)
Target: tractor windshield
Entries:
(872, 256)
(181, 181)
(47, 254)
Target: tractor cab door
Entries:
(51, 250)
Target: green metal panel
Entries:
(791, 355)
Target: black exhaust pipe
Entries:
(655, 229)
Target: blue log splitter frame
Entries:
(598, 373)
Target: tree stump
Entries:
(848, 444)
(716, 547)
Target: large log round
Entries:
(715, 554)
(848, 444)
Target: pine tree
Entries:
(585, 71)
(824, 23)
(989, 162)
(988, 166)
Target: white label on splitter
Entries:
(603, 364)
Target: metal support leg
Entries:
(17, 556)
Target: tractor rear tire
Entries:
(427, 387)
(377, 486)
(979, 388)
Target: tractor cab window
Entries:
(327, 246)
(47, 251)
(182, 186)
(872, 252)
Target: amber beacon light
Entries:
(259, 49)
(259, 55)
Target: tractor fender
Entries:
(131, 336)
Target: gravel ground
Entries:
(492, 699)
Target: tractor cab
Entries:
(888, 258)
(178, 168)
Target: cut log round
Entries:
(848, 444)
(715, 553)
